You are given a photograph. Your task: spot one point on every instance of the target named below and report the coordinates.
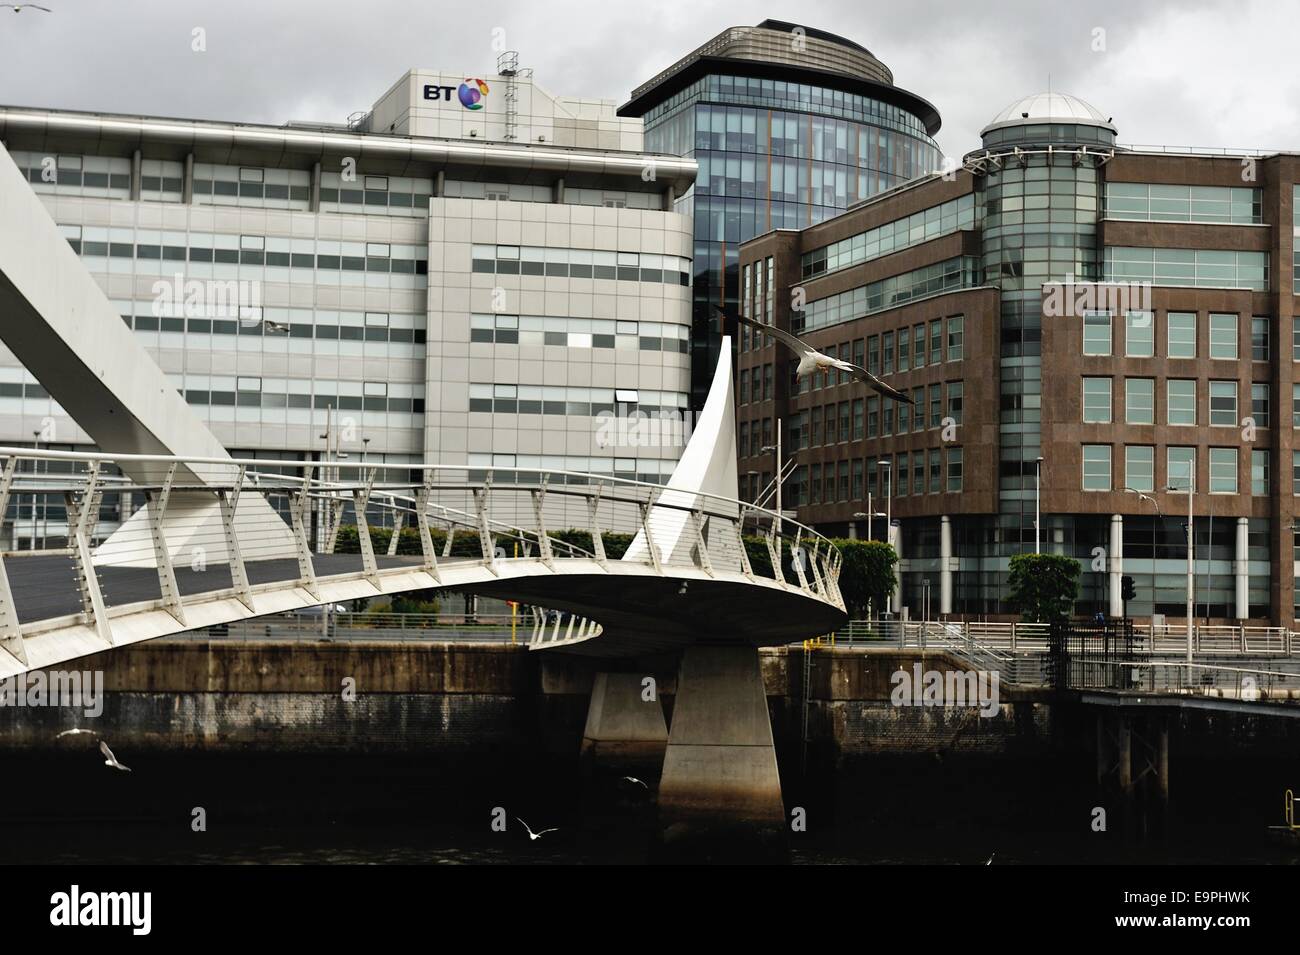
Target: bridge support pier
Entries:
(1133, 767)
(720, 787)
(626, 731)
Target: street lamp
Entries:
(1159, 516)
(1191, 556)
(777, 449)
(868, 515)
(36, 466)
(1038, 484)
(888, 465)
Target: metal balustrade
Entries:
(203, 541)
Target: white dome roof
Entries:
(1049, 108)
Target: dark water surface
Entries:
(67, 807)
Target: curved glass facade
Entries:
(774, 155)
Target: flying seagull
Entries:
(534, 836)
(635, 782)
(111, 760)
(990, 859)
(76, 732)
(811, 360)
(20, 7)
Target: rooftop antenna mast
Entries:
(508, 68)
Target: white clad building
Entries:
(474, 271)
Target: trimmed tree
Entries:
(1043, 587)
(867, 576)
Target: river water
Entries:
(67, 807)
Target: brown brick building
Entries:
(1124, 315)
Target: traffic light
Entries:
(1127, 591)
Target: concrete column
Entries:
(1116, 565)
(187, 186)
(557, 191)
(135, 175)
(315, 187)
(625, 731)
(720, 776)
(853, 530)
(894, 535)
(439, 184)
(670, 199)
(1241, 568)
(945, 564)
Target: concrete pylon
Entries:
(720, 779)
(626, 732)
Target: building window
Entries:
(936, 342)
(887, 417)
(904, 349)
(1181, 395)
(1223, 470)
(1140, 400)
(956, 337)
(873, 354)
(873, 416)
(1223, 337)
(936, 408)
(1223, 404)
(956, 390)
(1295, 406)
(1259, 339)
(1096, 333)
(918, 346)
(1259, 473)
(1259, 404)
(1096, 467)
(904, 417)
(1097, 400)
(1295, 472)
(844, 421)
(887, 352)
(1182, 334)
(1140, 467)
(1180, 465)
(855, 494)
(918, 473)
(954, 470)
(1139, 335)
(936, 471)
(918, 408)
(857, 419)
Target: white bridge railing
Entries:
(197, 530)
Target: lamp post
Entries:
(1038, 494)
(1191, 557)
(777, 448)
(1159, 516)
(888, 465)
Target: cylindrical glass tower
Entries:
(790, 126)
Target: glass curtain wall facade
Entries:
(774, 154)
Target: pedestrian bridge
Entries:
(184, 559)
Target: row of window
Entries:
(1199, 268)
(1153, 202)
(956, 273)
(636, 469)
(893, 236)
(581, 264)
(252, 250)
(564, 400)
(935, 471)
(1180, 335)
(351, 326)
(579, 332)
(1180, 402)
(1180, 464)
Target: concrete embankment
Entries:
(307, 696)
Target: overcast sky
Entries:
(1186, 73)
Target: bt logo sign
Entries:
(470, 93)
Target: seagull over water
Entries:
(111, 760)
(811, 360)
(78, 731)
(534, 836)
